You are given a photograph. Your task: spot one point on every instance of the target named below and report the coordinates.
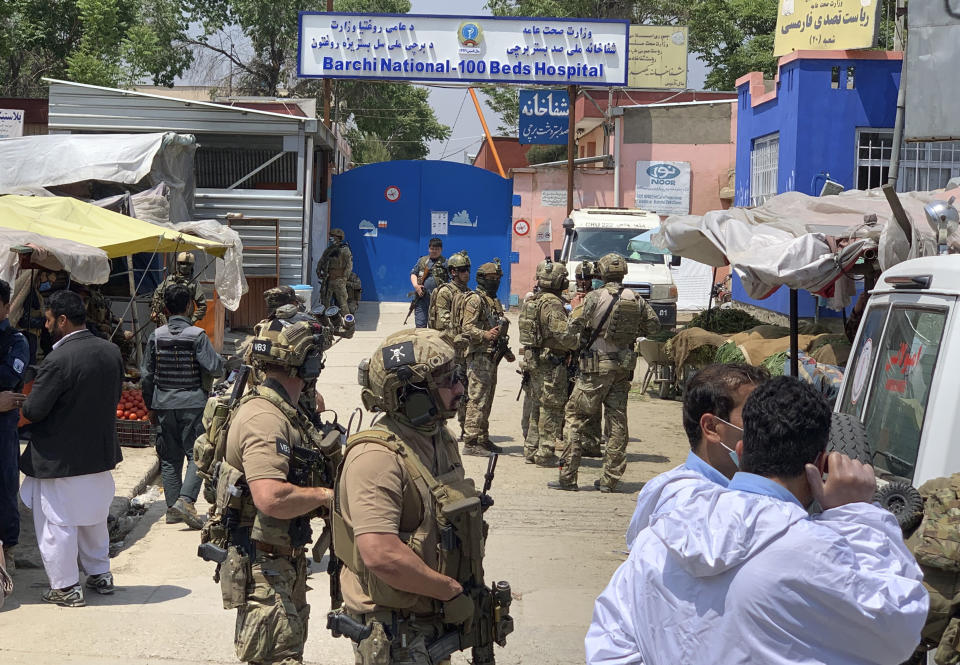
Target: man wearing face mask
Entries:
(184, 276)
(407, 524)
(265, 501)
(712, 418)
(745, 575)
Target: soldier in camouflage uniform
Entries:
(585, 273)
(612, 319)
(265, 573)
(546, 345)
(102, 322)
(183, 275)
(479, 332)
(333, 271)
(936, 546)
(441, 310)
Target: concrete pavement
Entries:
(557, 549)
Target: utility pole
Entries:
(899, 44)
(571, 144)
(326, 86)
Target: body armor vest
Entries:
(177, 367)
(531, 332)
(623, 326)
(453, 504)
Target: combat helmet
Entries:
(552, 276)
(338, 234)
(488, 276)
(612, 267)
(295, 346)
(458, 260)
(585, 271)
(280, 295)
(404, 374)
(185, 261)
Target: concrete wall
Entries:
(817, 122)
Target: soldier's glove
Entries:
(458, 610)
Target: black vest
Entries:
(177, 366)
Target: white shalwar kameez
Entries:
(744, 575)
(70, 517)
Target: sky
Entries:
(454, 107)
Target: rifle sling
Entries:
(606, 315)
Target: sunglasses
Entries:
(456, 375)
(462, 269)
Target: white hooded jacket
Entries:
(731, 576)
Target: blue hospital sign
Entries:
(484, 49)
(544, 117)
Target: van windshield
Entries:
(632, 244)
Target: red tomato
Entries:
(119, 413)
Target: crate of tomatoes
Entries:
(133, 426)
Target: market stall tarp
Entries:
(790, 240)
(116, 234)
(63, 159)
(86, 264)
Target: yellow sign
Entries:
(822, 25)
(658, 57)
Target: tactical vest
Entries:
(177, 367)
(234, 502)
(531, 332)
(433, 316)
(453, 504)
(623, 325)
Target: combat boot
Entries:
(568, 487)
(604, 487)
(185, 510)
(547, 461)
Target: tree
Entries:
(105, 42)
(733, 38)
(383, 120)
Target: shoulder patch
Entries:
(17, 365)
(283, 448)
(261, 346)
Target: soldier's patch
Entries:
(398, 355)
(283, 448)
(17, 365)
(262, 346)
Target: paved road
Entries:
(557, 549)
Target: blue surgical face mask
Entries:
(597, 283)
(733, 453)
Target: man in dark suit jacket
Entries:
(72, 450)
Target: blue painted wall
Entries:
(383, 256)
(779, 301)
(817, 124)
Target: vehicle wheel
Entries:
(904, 501)
(848, 436)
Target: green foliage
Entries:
(504, 100)
(104, 42)
(539, 154)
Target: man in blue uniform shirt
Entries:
(14, 354)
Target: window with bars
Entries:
(923, 166)
(764, 160)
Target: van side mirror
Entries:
(675, 261)
(556, 255)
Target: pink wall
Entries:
(710, 165)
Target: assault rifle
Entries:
(524, 381)
(421, 278)
(501, 347)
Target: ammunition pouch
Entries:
(234, 577)
(589, 362)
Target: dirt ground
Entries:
(557, 550)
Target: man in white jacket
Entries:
(744, 575)
(712, 418)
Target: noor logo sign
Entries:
(663, 174)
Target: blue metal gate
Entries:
(388, 212)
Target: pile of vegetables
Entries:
(724, 321)
(131, 406)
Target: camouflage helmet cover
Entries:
(280, 295)
(552, 276)
(585, 270)
(285, 344)
(459, 260)
(418, 357)
(338, 234)
(490, 269)
(612, 267)
(186, 257)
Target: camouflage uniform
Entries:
(441, 317)
(196, 295)
(546, 344)
(936, 546)
(590, 435)
(105, 323)
(481, 312)
(606, 369)
(334, 269)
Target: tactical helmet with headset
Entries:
(612, 267)
(585, 271)
(488, 276)
(458, 261)
(338, 234)
(185, 261)
(552, 276)
(404, 374)
(295, 346)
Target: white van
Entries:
(599, 231)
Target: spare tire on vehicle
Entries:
(848, 436)
(904, 501)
